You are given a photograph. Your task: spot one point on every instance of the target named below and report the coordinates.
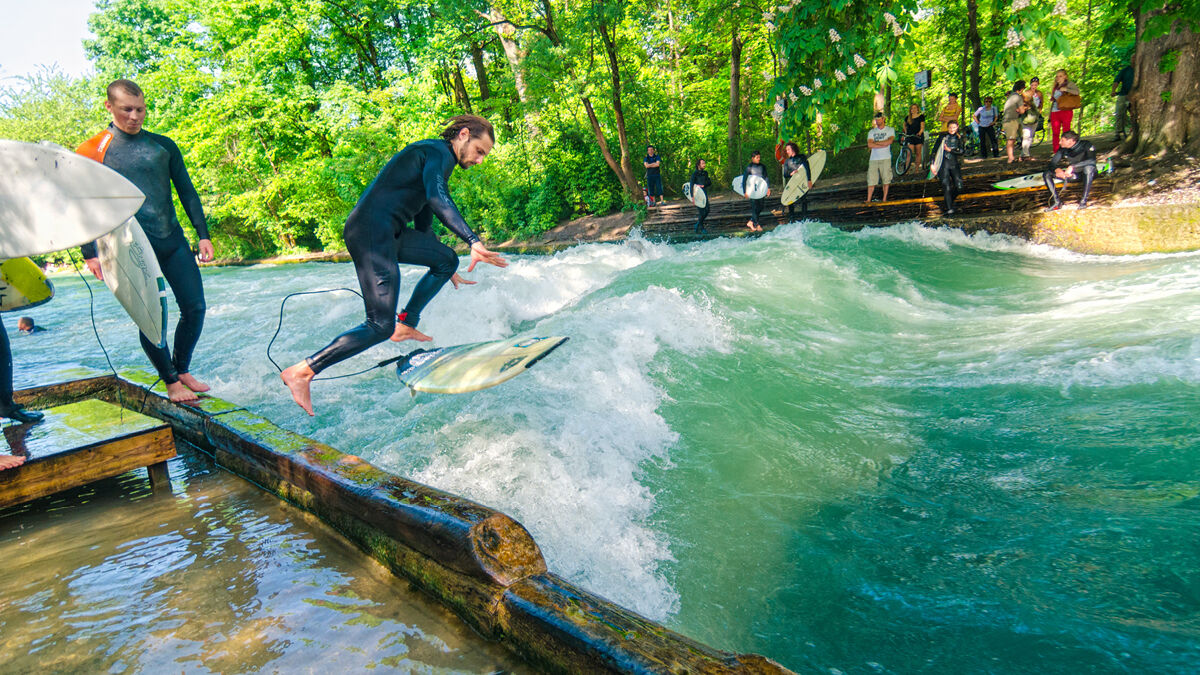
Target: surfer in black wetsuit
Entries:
(700, 180)
(153, 163)
(792, 162)
(410, 188)
(755, 168)
(1081, 160)
(949, 172)
(8, 408)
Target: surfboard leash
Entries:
(279, 327)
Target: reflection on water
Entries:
(215, 576)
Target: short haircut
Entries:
(755, 154)
(1018, 85)
(25, 321)
(1035, 79)
(649, 148)
(953, 94)
(474, 123)
(127, 86)
(878, 115)
(1070, 135)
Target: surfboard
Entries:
(22, 285)
(758, 187)
(936, 163)
(471, 367)
(132, 273)
(687, 192)
(797, 185)
(699, 196)
(53, 199)
(1035, 179)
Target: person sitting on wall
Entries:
(1081, 160)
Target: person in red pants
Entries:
(1064, 99)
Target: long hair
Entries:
(476, 124)
(795, 148)
(698, 163)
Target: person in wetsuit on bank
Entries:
(755, 168)
(9, 408)
(949, 172)
(410, 188)
(700, 180)
(792, 162)
(154, 163)
(1081, 160)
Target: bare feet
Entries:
(298, 378)
(11, 461)
(192, 383)
(178, 393)
(406, 332)
(750, 225)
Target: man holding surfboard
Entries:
(154, 163)
(793, 161)
(410, 188)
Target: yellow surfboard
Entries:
(22, 285)
(471, 367)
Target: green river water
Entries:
(898, 450)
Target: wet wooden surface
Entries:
(79, 443)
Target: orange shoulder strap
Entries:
(96, 146)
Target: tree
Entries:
(1165, 100)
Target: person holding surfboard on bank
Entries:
(793, 161)
(700, 181)
(154, 163)
(410, 188)
(754, 168)
(949, 171)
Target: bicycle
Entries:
(903, 161)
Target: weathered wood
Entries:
(80, 443)
(160, 477)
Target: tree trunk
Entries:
(481, 74)
(1087, 48)
(962, 86)
(460, 90)
(1165, 107)
(733, 148)
(634, 190)
(976, 52)
(515, 57)
(610, 52)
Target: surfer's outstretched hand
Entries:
(479, 253)
(458, 279)
(93, 264)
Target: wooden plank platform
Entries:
(79, 443)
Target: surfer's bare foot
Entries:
(298, 378)
(178, 393)
(192, 383)
(406, 332)
(11, 461)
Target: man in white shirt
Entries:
(879, 169)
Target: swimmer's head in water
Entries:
(471, 137)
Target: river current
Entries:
(896, 450)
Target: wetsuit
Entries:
(949, 172)
(755, 204)
(410, 188)
(700, 179)
(790, 166)
(8, 408)
(153, 163)
(1082, 158)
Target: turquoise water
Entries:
(897, 450)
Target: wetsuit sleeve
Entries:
(438, 195)
(1055, 159)
(807, 168)
(184, 188)
(423, 221)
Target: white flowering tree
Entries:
(836, 56)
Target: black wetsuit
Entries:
(949, 172)
(8, 408)
(700, 179)
(755, 204)
(654, 184)
(153, 163)
(790, 166)
(410, 188)
(1082, 158)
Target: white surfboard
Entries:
(463, 368)
(935, 164)
(132, 273)
(53, 199)
(797, 185)
(699, 196)
(757, 189)
(22, 285)
(1035, 179)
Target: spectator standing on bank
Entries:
(1120, 91)
(986, 117)
(879, 169)
(950, 112)
(654, 185)
(914, 135)
(1014, 108)
(1064, 100)
(1031, 119)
